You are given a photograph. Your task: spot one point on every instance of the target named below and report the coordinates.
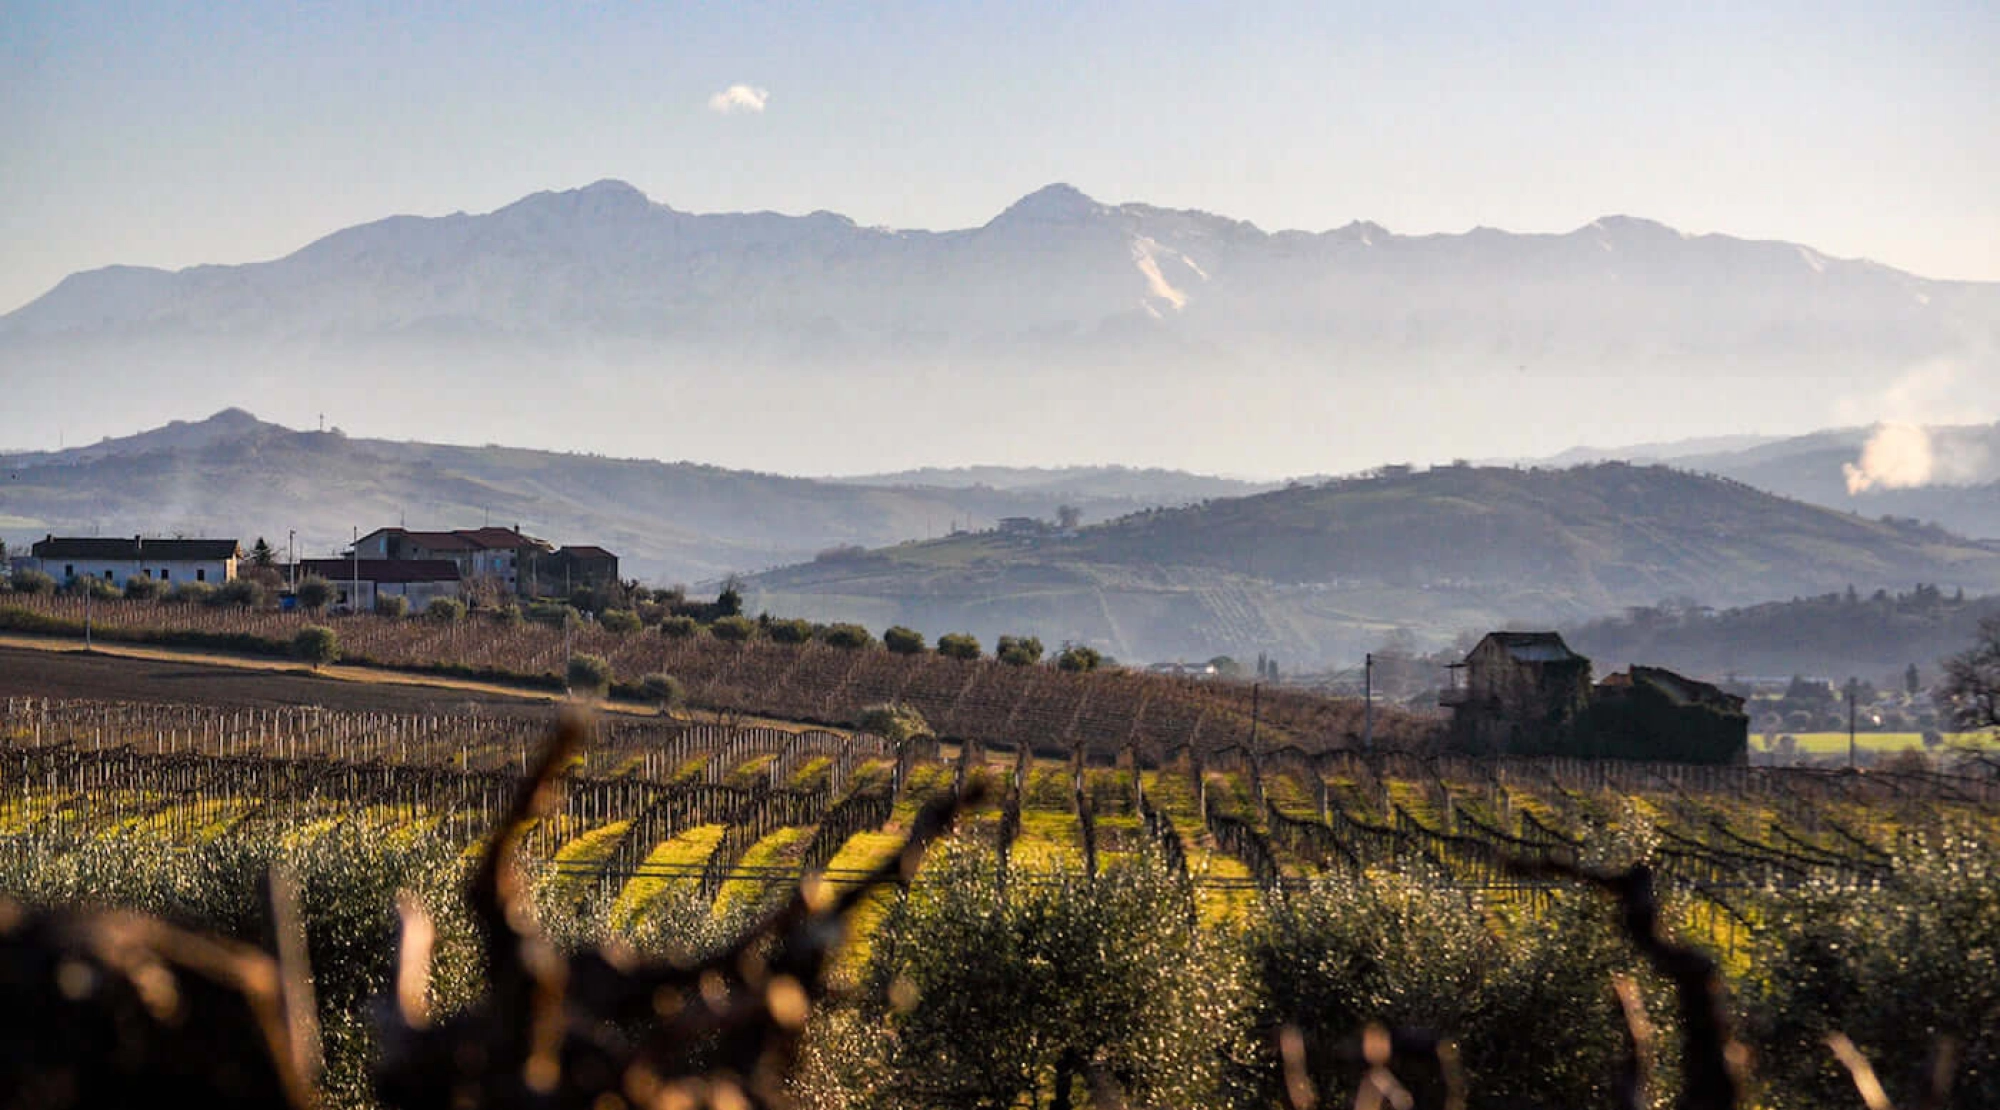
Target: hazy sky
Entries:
(173, 134)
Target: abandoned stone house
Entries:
(1527, 693)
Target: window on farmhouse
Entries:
(201, 574)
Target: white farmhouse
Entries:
(172, 562)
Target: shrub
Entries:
(508, 614)
(620, 621)
(680, 628)
(241, 592)
(316, 644)
(735, 629)
(314, 592)
(903, 641)
(787, 631)
(849, 636)
(1529, 1008)
(893, 721)
(958, 645)
(392, 605)
(445, 610)
(1019, 651)
(1893, 964)
(1071, 975)
(555, 614)
(93, 587)
(588, 674)
(192, 593)
(664, 689)
(1079, 658)
(31, 582)
(141, 588)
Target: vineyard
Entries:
(679, 830)
(738, 811)
(977, 701)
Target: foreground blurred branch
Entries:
(1710, 1054)
(722, 1031)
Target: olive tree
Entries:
(1020, 651)
(733, 628)
(903, 641)
(314, 592)
(31, 582)
(849, 636)
(664, 689)
(588, 674)
(316, 644)
(958, 645)
(1070, 974)
(1079, 658)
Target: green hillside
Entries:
(1312, 573)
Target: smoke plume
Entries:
(1897, 456)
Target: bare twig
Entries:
(1857, 1065)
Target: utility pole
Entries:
(1256, 705)
(1368, 702)
(1851, 684)
(354, 551)
(291, 557)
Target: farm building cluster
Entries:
(1527, 693)
(488, 563)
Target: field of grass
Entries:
(1835, 743)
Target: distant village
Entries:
(482, 565)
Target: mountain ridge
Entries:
(1062, 323)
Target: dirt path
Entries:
(59, 669)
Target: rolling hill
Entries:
(1311, 573)
(233, 474)
(1944, 474)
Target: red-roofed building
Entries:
(583, 565)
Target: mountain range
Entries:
(1063, 330)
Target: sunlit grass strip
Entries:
(578, 859)
(779, 850)
(750, 772)
(1050, 840)
(677, 860)
(925, 782)
(812, 774)
(1288, 794)
(862, 853)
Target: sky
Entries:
(172, 134)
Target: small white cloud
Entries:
(738, 98)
